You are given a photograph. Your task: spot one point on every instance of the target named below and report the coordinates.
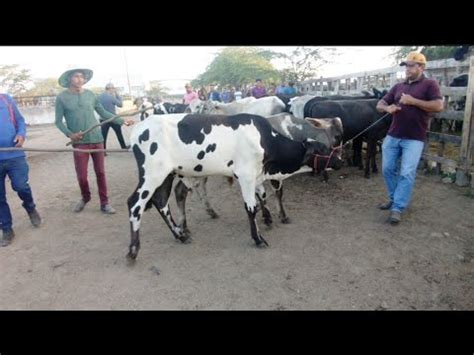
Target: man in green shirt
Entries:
(77, 105)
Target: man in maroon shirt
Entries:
(411, 104)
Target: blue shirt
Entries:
(8, 131)
(288, 90)
(109, 102)
(214, 96)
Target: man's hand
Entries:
(407, 99)
(129, 122)
(19, 140)
(75, 137)
(392, 109)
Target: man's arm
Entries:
(59, 118)
(426, 105)
(104, 113)
(383, 106)
(118, 100)
(20, 125)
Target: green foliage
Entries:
(431, 52)
(44, 87)
(157, 89)
(13, 79)
(303, 62)
(237, 66)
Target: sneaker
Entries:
(107, 209)
(8, 235)
(80, 206)
(35, 218)
(385, 205)
(395, 217)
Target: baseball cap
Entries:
(414, 57)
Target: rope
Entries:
(64, 150)
(366, 129)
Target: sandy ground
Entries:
(338, 253)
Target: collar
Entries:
(420, 79)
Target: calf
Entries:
(244, 146)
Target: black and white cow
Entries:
(356, 115)
(328, 131)
(243, 146)
(167, 107)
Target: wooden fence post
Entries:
(462, 175)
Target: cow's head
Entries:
(320, 157)
(159, 109)
(196, 106)
(332, 127)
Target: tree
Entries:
(13, 79)
(431, 52)
(303, 62)
(157, 89)
(44, 87)
(237, 66)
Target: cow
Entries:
(297, 104)
(168, 107)
(356, 115)
(143, 104)
(264, 106)
(243, 146)
(326, 131)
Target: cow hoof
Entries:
(285, 220)
(268, 222)
(262, 243)
(213, 214)
(132, 255)
(185, 239)
(367, 176)
(376, 171)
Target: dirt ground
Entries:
(339, 253)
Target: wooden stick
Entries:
(110, 120)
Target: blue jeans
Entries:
(400, 176)
(17, 170)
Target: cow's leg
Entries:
(357, 153)
(137, 203)
(367, 158)
(181, 193)
(200, 188)
(261, 195)
(248, 187)
(278, 188)
(160, 200)
(373, 161)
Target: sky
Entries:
(174, 65)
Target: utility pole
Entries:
(126, 70)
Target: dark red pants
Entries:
(81, 161)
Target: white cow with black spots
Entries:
(243, 146)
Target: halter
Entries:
(328, 157)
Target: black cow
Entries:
(356, 115)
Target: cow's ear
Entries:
(316, 122)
